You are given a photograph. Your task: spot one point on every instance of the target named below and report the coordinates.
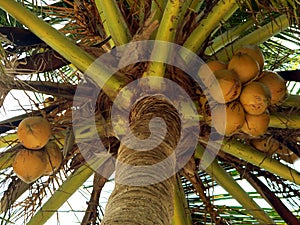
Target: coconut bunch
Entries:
(38, 156)
(245, 90)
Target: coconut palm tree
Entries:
(51, 49)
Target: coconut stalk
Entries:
(220, 11)
(228, 37)
(157, 7)
(166, 32)
(60, 43)
(182, 214)
(256, 37)
(115, 21)
(64, 192)
(292, 100)
(234, 189)
(257, 158)
(284, 121)
(196, 5)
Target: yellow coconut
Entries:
(271, 146)
(256, 125)
(34, 132)
(231, 122)
(276, 85)
(206, 71)
(53, 156)
(226, 87)
(266, 144)
(29, 165)
(245, 67)
(255, 98)
(255, 52)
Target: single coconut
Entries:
(228, 119)
(255, 98)
(266, 144)
(206, 71)
(53, 156)
(276, 85)
(226, 87)
(34, 132)
(29, 165)
(245, 67)
(255, 52)
(271, 146)
(256, 125)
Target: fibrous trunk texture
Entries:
(144, 191)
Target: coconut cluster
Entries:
(39, 156)
(245, 90)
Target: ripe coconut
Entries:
(29, 165)
(206, 71)
(226, 87)
(34, 132)
(245, 66)
(53, 156)
(255, 98)
(271, 146)
(266, 144)
(256, 125)
(231, 122)
(255, 52)
(276, 84)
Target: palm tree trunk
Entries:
(143, 193)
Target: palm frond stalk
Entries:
(234, 189)
(115, 21)
(182, 214)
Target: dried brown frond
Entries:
(83, 21)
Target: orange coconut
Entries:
(53, 156)
(29, 165)
(255, 98)
(256, 125)
(231, 122)
(34, 132)
(226, 87)
(206, 71)
(276, 85)
(255, 52)
(271, 146)
(245, 67)
(266, 144)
